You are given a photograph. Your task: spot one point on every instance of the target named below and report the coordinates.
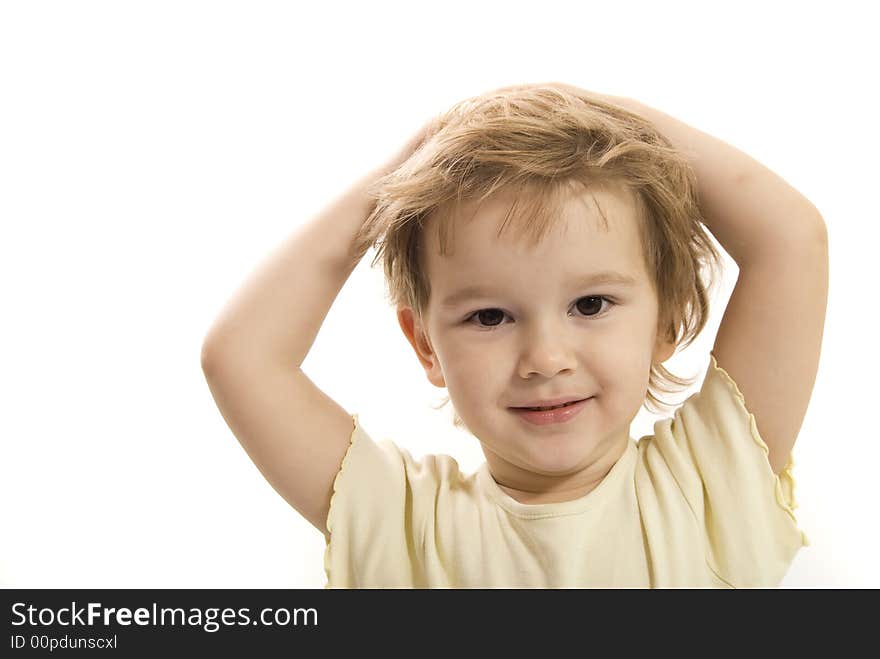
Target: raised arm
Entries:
(771, 332)
(295, 434)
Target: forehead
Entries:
(594, 230)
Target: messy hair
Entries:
(543, 142)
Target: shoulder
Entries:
(384, 464)
(712, 433)
(711, 455)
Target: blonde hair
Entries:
(544, 141)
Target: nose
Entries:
(546, 351)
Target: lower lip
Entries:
(559, 415)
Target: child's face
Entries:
(540, 335)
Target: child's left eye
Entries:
(594, 299)
(594, 302)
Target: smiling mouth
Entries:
(552, 407)
(556, 415)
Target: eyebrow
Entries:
(605, 277)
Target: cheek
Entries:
(463, 356)
(471, 375)
(627, 370)
(472, 380)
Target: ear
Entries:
(415, 334)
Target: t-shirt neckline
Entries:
(536, 510)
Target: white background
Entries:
(153, 153)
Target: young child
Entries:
(544, 247)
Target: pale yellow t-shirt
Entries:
(696, 505)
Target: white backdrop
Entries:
(153, 153)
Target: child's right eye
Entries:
(482, 314)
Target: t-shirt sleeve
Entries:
(370, 518)
(716, 455)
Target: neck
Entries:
(528, 487)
